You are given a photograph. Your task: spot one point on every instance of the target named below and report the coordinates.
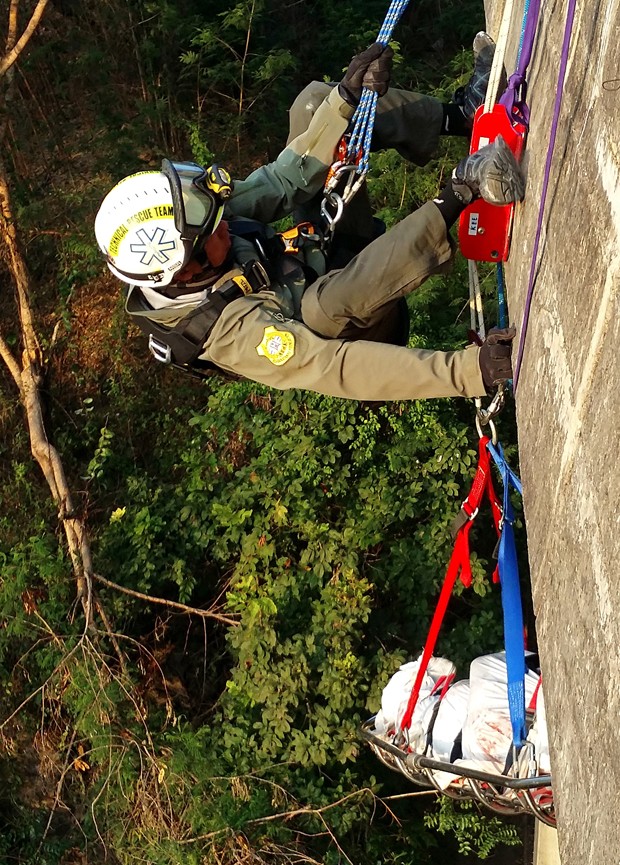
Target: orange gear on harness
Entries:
(295, 238)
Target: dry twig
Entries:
(176, 605)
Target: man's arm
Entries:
(274, 190)
(250, 340)
(409, 122)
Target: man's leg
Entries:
(347, 302)
(353, 302)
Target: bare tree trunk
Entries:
(27, 369)
(28, 377)
(28, 374)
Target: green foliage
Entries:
(476, 834)
(320, 527)
(33, 591)
(103, 451)
(22, 839)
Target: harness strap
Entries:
(482, 483)
(459, 564)
(533, 702)
(457, 748)
(183, 343)
(429, 729)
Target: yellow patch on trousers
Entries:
(277, 346)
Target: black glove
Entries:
(494, 357)
(369, 69)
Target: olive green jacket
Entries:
(295, 335)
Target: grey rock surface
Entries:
(568, 411)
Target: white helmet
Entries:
(150, 223)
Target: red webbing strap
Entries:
(441, 686)
(533, 701)
(459, 564)
(482, 483)
(496, 506)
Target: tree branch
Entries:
(29, 380)
(283, 815)
(196, 611)
(7, 356)
(12, 54)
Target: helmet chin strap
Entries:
(203, 279)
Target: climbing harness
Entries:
(353, 152)
(182, 344)
(294, 239)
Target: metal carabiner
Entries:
(491, 427)
(333, 200)
(485, 416)
(497, 403)
(352, 185)
(335, 173)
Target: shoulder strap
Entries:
(182, 344)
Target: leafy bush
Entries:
(315, 530)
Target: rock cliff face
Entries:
(568, 410)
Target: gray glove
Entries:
(369, 69)
(494, 358)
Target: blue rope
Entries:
(502, 308)
(363, 121)
(526, 9)
(397, 7)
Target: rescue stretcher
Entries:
(516, 792)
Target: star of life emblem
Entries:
(277, 346)
(153, 246)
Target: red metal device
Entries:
(485, 229)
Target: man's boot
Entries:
(473, 94)
(492, 173)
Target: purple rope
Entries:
(570, 15)
(514, 96)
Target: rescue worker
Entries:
(211, 284)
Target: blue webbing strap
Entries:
(511, 601)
